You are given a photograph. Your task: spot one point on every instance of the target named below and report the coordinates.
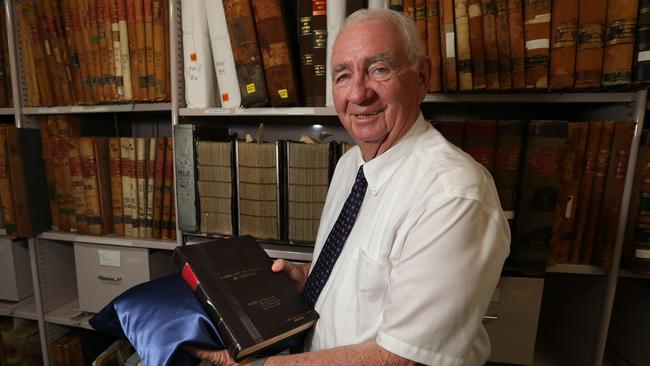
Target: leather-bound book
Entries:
(160, 54)
(517, 45)
(45, 90)
(464, 51)
(149, 77)
(276, 53)
(114, 155)
(537, 22)
(613, 194)
(592, 18)
(564, 32)
(95, 56)
(125, 56)
(135, 28)
(168, 189)
(106, 51)
(642, 44)
(56, 53)
(480, 140)
(129, 194)
(67, 193)
(90, 185)
(453, 131)
(78, 187)
(141, 150)
(158, 187)
(75, 53)
(319, 45)
(305, 39)
(503, 45)
(433, 45)
(151, 174)
(397, 5)
(507, 169)
(61, 50)
(619, 42)
(245, 49)
(117, 51)
(448, 46)
(476, 43)
(565, 206)
(408, 7)
(540, 187)
(420, 17)
(489, 11)
(597, 192)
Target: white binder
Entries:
(378, 4)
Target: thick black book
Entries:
(252, 307)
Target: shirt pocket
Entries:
(373, 282)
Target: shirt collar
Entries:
(379, 169)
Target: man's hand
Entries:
(216, 357)
(297, 273)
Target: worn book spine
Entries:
(95, 55)
(61, 53)
(476, 43)
(6, 196)
(464, 52)
(448, 45)
(540, 188)
(564, 32)
(55, 60)
(510, 137)
(133, 32)
(276, 53)
(68, 200)
(141, 149)
(517, 43)
(139, 78)
(114, 152)
(102, 158)
(91, 189)
(125, 56)
(537, 20)
(168, 187)
(215, 186)
(185, 156)
(408, 7)
(480, 142)
(592, 19)
(597, 191)
(160, 56)
(319, 49)
(433, 45)
(127, 166)
(420, 17)
(71, 51)
(158, 187)
(149, 77)
(565, 205)
(489, 13)
(619, 42)
(245, 49)
(642, 44)
(397, 5)
(46, 91)
(151, 173)
(77, 184)
(106, 52)
(305, 40)
(503, 45)
(117, 51)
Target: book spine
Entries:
(31, 82)
(186, 178)
(151, 172)
(464, 53)
(245, 49)
(67, 204)
(70, 50)
(117, 51)
(305, 40)
(397, 5)
(48, 97)
(503, 45)
(149, 77)
(453, 131)
(642, 44)
(480, 140)
(433, 44)
(158, 187)
(564, 32)
(592, 18)
(319, 47)
(6, 196)
(53, 51)
(276, 56)
(127, 166)
(619, 42)
(91, 189)
(116, 185)
(135, 36)
(106, 52)
(160, 58)
(489, 12)
(102, 158)
(517, 43)
(77, 183)
(141, 181)
(168, 187)
(509, 147)
(537, 20)
(125, 59)
(49, 155)
(476, 43)
(448, 45)
(93, 41)
(79, 53)
(408, 7)
(420, 17)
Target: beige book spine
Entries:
(141, 179)
(151, 172)
(127, 166)
(91, 189)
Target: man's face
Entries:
(376, 91)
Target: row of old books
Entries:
(19, 342)
(564, 180)
(108, 185)
(533, 44)
(94, 51)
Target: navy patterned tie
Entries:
(335, 241)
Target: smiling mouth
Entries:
(366, 115)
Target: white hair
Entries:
(404, 24)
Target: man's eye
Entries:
(342, 78)
(380, 70)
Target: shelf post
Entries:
(16, 91)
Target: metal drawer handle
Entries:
(109, 278)
(488, 317)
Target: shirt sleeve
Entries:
(442, 278)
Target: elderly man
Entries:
(412, 237)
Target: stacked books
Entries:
(636, 250)
(96, 51)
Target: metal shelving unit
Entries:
(108, 108)
(109, 240)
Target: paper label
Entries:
(450, 44)
(110, 258)
(284, 94)
(475, 10)
(644, 56)
(250, 88)
(642, 253)
(569, 206)
(542, 18)
(537, 44)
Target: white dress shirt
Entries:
(419, 268)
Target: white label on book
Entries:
(569, 206)
(450, 44)
(110, 258)
(642, 253)
(537, 43)
(474, 10)
(542, 18)
(644, 56)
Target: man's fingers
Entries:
(217, 357)
(279, 265)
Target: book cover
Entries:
(433, 44)
(476, 43)
(592, 17)
(642, 44)
(537, 31)
(463, 43)
(502, 26)
(619, 42)
(448, 45)
(252, 307)
(564, 30)
(517, 48)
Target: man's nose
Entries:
(361, 90)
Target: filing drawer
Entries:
(104, 271)
(15, 271)
(515, 311)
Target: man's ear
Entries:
(424, 73)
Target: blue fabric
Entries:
(158, 317)
(335, 240)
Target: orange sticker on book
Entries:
(250, 88)
(193, 56)
(284, 94)
(225, 97)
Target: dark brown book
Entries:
(49, 155)
(480, 142)
(6, 195)
(31, 81)
(564, 32)
(540, 187)
(489, 12)
(168, 186)
(619, 42)
(463, 45)
(305, 39)
(453, 131)
(251, 306)
(517, 45)
(276, 53)
(159, 181)
(245, 49)
(503, 44)
(476, 43)
(319, 47)
(83, 51)
(139, 76)
(597, 192)
(77, 185)
(90, 185)
(592, 18)
(507, 168)
(613, 194)
(565, 207)
(72, 52)
(149, 77)
(642, 44)
(106, 50)
(433, 45)
(448, 45)
(537, 21)
(114, 155)
(132, 33)
(39, 56)
(420, 18)
(95, 55)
